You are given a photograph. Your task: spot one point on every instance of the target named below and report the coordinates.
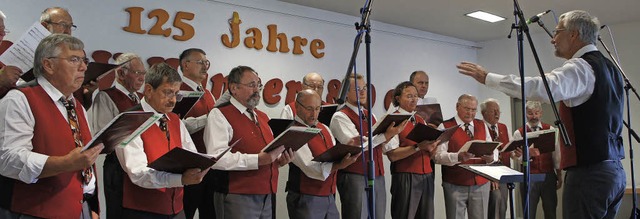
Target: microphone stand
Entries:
(630, 132)
(545, 28)
(521, 26)
(363, 27)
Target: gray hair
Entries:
(235, 75)
(483, 105)
(2, 16)
(161, 73)
(581, 21)
(51, 46)
(45, 16)
(125, 57)
(466, 97)
(533, 105)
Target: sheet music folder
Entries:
(500, 173)
(122, 129)
(479, 147)
(294, 137)
(381, 126)
(187, 100)
(544, 140)
(326, 113)
(422, 132)
(337, 152)
(431, 113)
(95, 71)
(178, 160)
(278, 126)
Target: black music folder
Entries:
(122, 129)
(337, 152)
(422, 132)
(381, 126)
(544, 140)
(278, 126)
(178, 160)
(187, 100)
(294, 137)
(479, 147)
(326, 113)
(431, 113)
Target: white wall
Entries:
(396, 51)
(500, 56)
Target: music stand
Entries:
(502, 174)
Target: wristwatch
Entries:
(416, 148)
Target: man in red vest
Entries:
(246, 178)
(464, 191)
(498, 197)
(311, 81)
(311, 187)
(193, 68)
(345, 126)
(45, 173)
(547, 163)
(150, 193)
(106, 106)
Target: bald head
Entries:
(57, 20)
(314, 82)
(308, 106)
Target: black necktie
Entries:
(134, 98)
(87, 173)
(467, 130)
(252, 116)
(494, 134)
(164, 126)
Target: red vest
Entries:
(202, 107)
(59, 196)
(457, 175)
(503, 137)
(356, 167)
(544, 162)
(165, 201)
(301, 183)
(122, 100)
(419, 162)
(254, 137)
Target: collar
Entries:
(121, 88)
(353, 107)
(238, 105)
(461, 123)
(148, 108)
(52, 91)
(585, 49)
(489, 125)
(539, 124)
(299, 120)
(192, 84)
(400, 110)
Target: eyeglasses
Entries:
(314, 86)
(171, 94)
(308, 108)
(204, 63)
(411, 96)
(253, 85)
(74, 60)
(360, 88)
(557, 31)
(64, 25)
(138, 73)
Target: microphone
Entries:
(537, 17)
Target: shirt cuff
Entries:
(252, 161)
(33, 167)
(492, 80)
(175, 180)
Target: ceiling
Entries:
(446, 17)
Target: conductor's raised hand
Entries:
(193, 176)
(474, 70)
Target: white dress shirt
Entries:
(555, 154)
(17, 160)
(303, 158)
(444, 157)
(217, 136)
(344, 130)
(134, 160)
(194, 124)
(287, 112)
(571, 83)
(103, 109)
(421, 101)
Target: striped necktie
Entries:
(467, 130)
